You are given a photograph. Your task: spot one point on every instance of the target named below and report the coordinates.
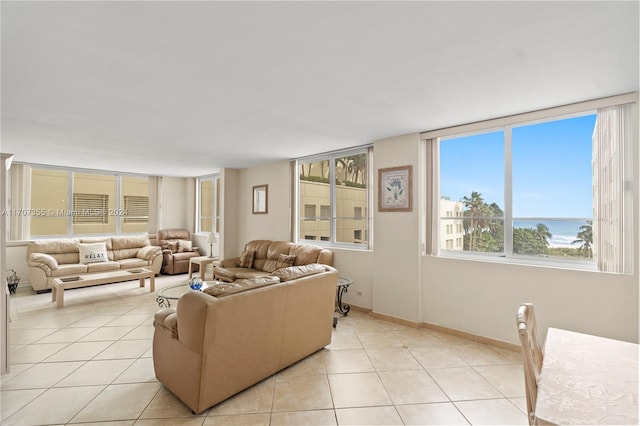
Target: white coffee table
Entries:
(59, 285)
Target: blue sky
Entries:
(551, 168)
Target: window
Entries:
(357, 212)
(310, 212)
(534, 190)
(339, 184)
(208, 204)
(70, 202)
(325, 212)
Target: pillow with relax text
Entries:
(92, 253)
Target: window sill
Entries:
(522, 260)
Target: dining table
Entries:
(587, 380)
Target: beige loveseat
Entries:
(60, 258)
(219, 342)
(262, 257)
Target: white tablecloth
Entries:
(587, 379)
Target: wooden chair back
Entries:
(531, 354)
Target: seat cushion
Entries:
(69, 269)
(103, 266)
(133, 263)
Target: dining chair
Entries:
(531, 354)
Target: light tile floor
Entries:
(91, 363)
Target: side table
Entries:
(203, 261)
(341, 308)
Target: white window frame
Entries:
(70, 207)
(432, 243)
(331, 157)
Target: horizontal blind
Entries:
(90, 208)
(136, 209)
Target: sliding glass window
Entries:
(333, 198)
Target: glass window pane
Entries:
(206, 205)
(97, 185)
(50, 192)
(552, 188)
(351, 198)
(351, 231)
(134, 204)
(472, 193)
(314, 190)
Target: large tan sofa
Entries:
(220, 341)
(262, 257)
(60, 258)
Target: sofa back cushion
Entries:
(165, 236)
(128, 247)
(305, 254)
(275, 250)
(63, 250)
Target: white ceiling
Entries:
(184, 88)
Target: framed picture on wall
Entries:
(260, 199)
(394, 189)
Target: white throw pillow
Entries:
(185, 245)
(92, 253)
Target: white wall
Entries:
(275, 225)
(396, 282)
(230, 244)
(481, 298)
(178, 203)
(357, 265)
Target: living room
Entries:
(397, 277)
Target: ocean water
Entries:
(563, 231)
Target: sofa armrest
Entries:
(192, 319)
(149, 252)
(166, 321)
(43, 261)
(230, 263)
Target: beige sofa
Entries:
(262, 257)
(219, 342)
(60, 258)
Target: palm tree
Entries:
(543, 233)
(585, 238)
(344, 161)
(357, 165)
(475, 204)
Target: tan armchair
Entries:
(177, 249)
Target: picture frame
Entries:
(260, 199)
(395, 185)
